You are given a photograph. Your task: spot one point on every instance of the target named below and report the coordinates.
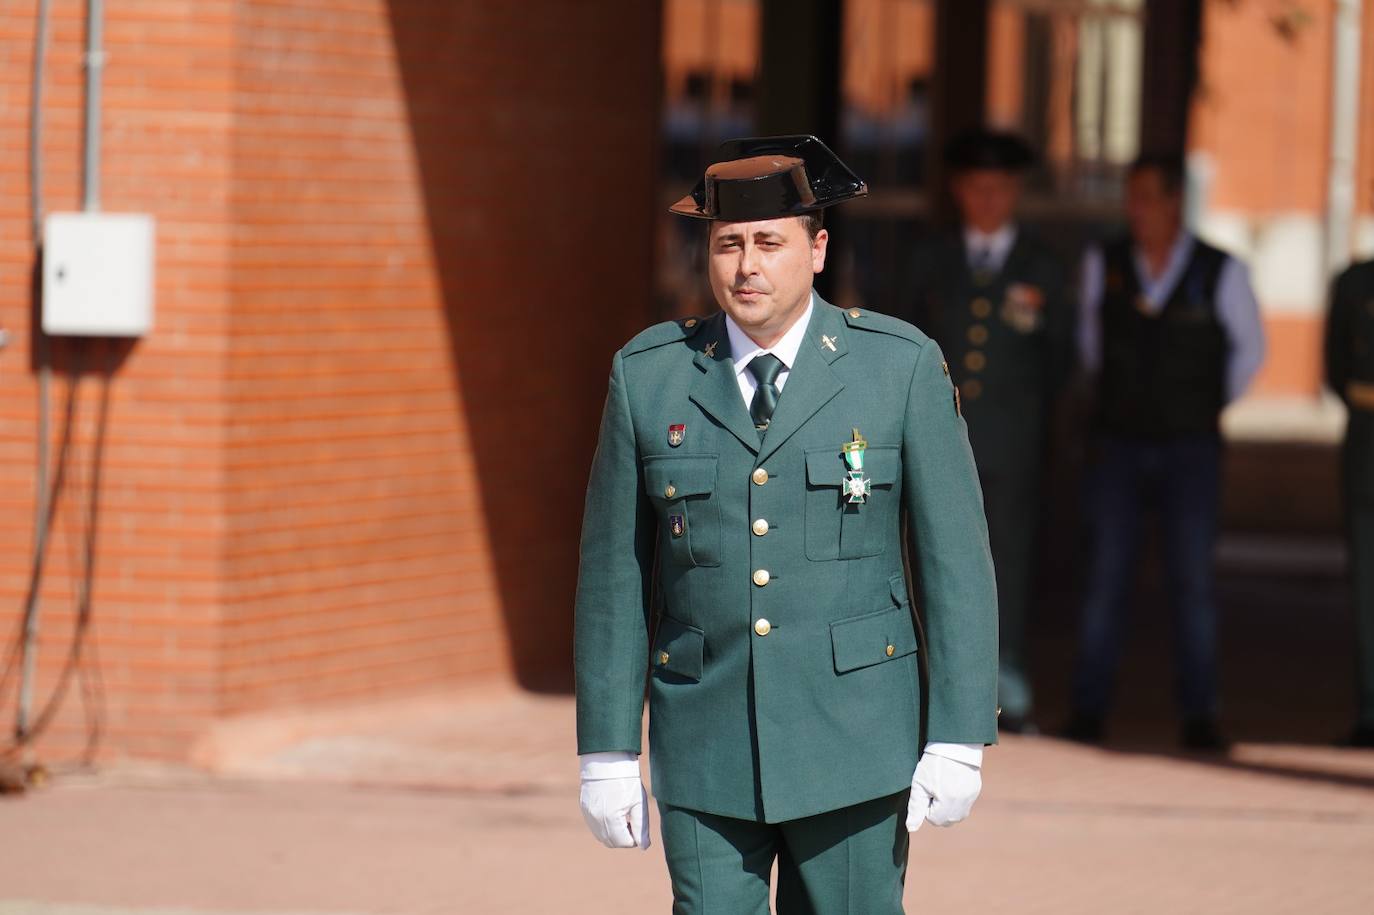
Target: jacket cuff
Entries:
(614, 764)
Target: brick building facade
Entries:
(398, 241)
(1260, 148)
(397, 244)
(1252, 87)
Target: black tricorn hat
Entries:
(768, 177)
(984, 148)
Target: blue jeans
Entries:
(1181, 479)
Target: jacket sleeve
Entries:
(611, 625)
(1338, 336)
(944, 505)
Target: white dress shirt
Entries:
(1236, 307)
(744, 350)
(988, 251)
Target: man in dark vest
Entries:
(1172, 332)
(993, 296)
(1350, 372)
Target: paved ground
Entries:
(431, 806)
(466, 802)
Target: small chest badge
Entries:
(676, 525)
(1024, 307)
(857, 486)
(676, 433)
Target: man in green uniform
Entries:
(994, 297)
(759, 463)
(1350, 372)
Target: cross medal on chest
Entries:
(857, 486)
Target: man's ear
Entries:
(818, 249)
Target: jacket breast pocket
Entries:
(837, 528)
(683, 491)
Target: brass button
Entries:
(891, 650)
(669, 491)
(944, 367)
(972, 389)
(981, 308)
(854, 312)
(978, 334)
(663, 657)
(761, 577)
(763, 627)
(760, 527)
(760, 476)
(690, 322)
(975, 361)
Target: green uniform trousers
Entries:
(850, 861)
(1360, 521)
(1011, 497)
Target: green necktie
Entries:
(765, 369)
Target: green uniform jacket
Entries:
(1009, 340)
(1350, 373)
(819, 708)
(1008, 336)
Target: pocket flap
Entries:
(898, 585)
(864, 640)
(688, 475)
(826, 466)
(679, 648)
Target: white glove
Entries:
(947, 782)
(614, 802)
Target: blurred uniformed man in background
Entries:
(1171, 331)
(759, 462)
(994, 297)
(1350, 373)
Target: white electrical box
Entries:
(98, 274)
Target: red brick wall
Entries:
(397, 245)
(1262, 109)
(1364, 163)
(158, 586)
(1263, 115)
(356, 553)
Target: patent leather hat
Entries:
(768, 177)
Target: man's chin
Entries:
(750, 311)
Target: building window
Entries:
(1066, 74)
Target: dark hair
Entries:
(814, 222)
(1169, 166)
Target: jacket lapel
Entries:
(811, 383)
(716, 390)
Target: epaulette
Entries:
(864, 319)
(662, 334)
